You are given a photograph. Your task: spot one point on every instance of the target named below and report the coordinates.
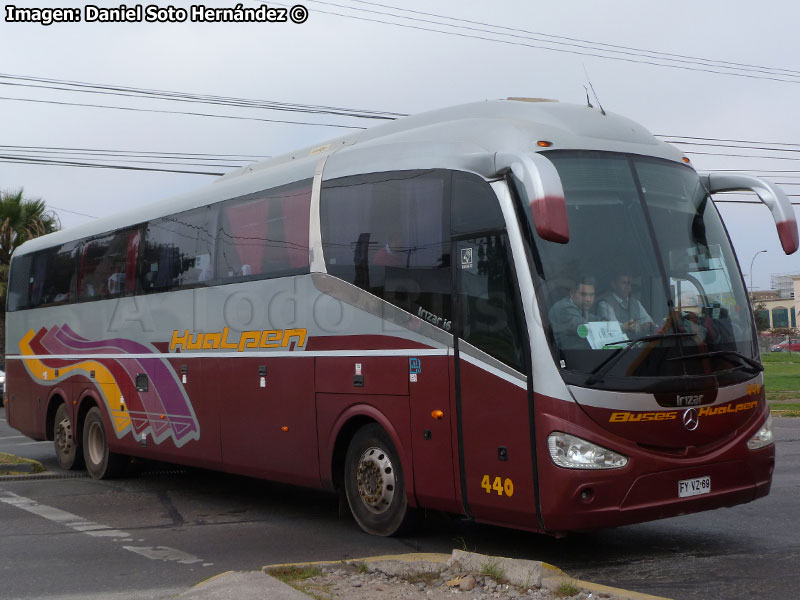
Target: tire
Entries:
(101, 463)
(68, 452)
(374, 484)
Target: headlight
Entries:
(763, 436)
(574, 453)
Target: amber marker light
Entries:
(686, 160)
(161, 417)
(544, 144)
(437, 414)
(284, 428)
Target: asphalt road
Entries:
(160, 531)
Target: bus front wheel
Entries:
(68, 452)
(101, 463)
(374, 483)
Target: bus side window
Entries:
(105, 265)
(474, 206)
(486, 299)
(178, 250)
(388, 233)
(19, 282)
(265, 234)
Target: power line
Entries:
(559, 37)
(132, 92)
(540, 47)
(688, 137)
(165, 153)
(59, 209)
(178, 112)
(743, 155)
(715, 145)
(63, 163)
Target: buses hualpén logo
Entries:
(225, 340)
(671, 415)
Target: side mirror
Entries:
(770, 194)
(539, 184)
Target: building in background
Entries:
(780, 306)
(783, 284)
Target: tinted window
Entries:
(54, 275)
(389, 233)
(265, 234)
(19, 282)
(486, 298)
(108, 265)
(475, 206)
(179, 250)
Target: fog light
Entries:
(573, 452)
(763, 436)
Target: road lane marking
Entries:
(93, 529)
(164, 553)
(32, 443)
(12, 437)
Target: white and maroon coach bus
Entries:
(411, 315)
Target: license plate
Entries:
(694, 487)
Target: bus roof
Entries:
(464, 137)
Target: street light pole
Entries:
(751, 270)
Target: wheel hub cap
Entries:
(64, 436)
(375, 479)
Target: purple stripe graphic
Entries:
(165, 396)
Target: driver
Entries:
(619, 305)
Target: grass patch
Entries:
(494, 570)
(781, 375)
(8, 461)
(291, 574)
(297, 578)
(566, 589)
(785, 409)
(784, 396)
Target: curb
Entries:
(22, 466)
(551, 576)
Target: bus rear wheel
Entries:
(68, 452)
(101, 463)
(374, 483)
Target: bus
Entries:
(524, 312)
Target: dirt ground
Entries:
(365, 581)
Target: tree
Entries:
(762, 316)
(21, 219)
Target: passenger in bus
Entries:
(572, 311)
(618, 304)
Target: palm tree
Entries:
(21, 219)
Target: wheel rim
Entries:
(375, 480)
(95, 443)
(63, 436)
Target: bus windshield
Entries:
(647, 289)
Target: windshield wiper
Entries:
(600, 370)
(753, 364)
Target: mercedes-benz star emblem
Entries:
(690, 419)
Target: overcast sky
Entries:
(351, 60)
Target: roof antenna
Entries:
(588, 102)
(593, 92)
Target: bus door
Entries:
(492, 391)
